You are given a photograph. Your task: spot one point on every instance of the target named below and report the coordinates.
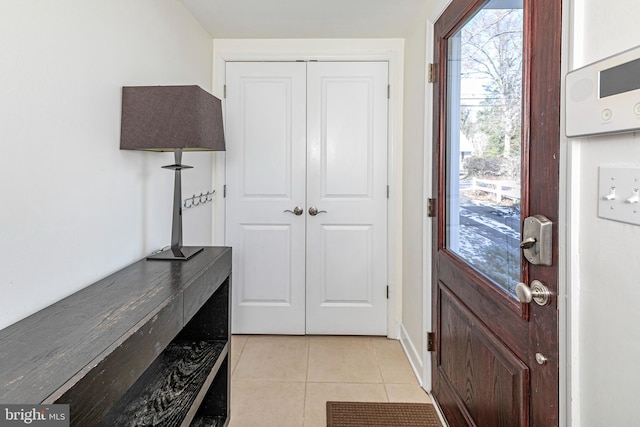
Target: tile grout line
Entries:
(233, 368)
(378, 361)
(306, 383)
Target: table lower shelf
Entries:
(169, 392)
(209, 422)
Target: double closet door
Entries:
(306, 198)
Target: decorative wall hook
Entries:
(198, 200)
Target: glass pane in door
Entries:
(484, 144)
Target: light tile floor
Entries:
(286, 380)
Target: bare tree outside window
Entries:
(492, 57)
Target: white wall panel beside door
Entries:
(265, 162)
(347, 178)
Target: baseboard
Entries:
(415, 358)
(416, 364)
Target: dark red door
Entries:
(496, 115)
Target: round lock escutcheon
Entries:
(537, 293)
(541, 294)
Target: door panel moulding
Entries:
(389, 50)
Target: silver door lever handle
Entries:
(313, 211)
(296, 211)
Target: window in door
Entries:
(484, 84)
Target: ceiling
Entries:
(310, 18)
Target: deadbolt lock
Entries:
(537, 245)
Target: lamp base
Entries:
(177, 254)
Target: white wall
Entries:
(74, 207)
(413, 259)
(605, 282)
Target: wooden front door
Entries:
(496, 133)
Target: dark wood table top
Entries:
(41, 353)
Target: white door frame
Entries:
(390, 50)
(437, 10)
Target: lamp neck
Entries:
(176, 226)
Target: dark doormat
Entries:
(374, 414)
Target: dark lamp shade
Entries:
(163, 118)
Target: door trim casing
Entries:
(389, 50)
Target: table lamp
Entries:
(172, 118)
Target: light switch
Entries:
(619, 194)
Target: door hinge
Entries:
(224, 191)
(387, 291)
(388, 91)
(431, 71)
(388, 191)
(431, 208)
(224, 94)
(431, 341)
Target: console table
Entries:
(148, 345)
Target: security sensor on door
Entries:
(604, 97)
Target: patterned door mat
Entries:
(383, 414)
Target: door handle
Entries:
(313, 211)
(297, 211)
(537, 293)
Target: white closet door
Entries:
(265, 160)
(347, 178)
